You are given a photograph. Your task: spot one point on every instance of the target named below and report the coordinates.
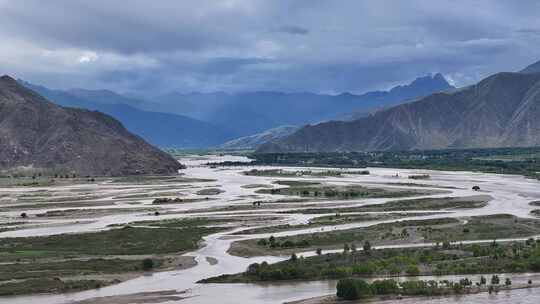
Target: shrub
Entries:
(147, 264)
(253, 269)
(351, 289)
(413, 270)
(383, 287)
(294, 258)
(367, 246)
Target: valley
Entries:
(84, 241)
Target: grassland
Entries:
(442, 203)
(439, 230)
(342, 192)
(327, 220)
(70, 262)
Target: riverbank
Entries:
(333, 299)
(394, 233)
(75, 262)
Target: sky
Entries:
(152, 47)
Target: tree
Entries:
(294, 258)
(351, 289)
(446, 245)
(367, 247)
(147, 264)
(507, 282)
(253, 269)
(495, 279)
(24, 215)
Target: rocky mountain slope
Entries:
(254, 141)
(37, 133)
(500, 111)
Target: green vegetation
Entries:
(72, 267)
(327, 220)
(50, 285)
(522, 161)
(340, 192)
(91, 212)
(298, 173)
(439, 260)
(192, 222)
(124, 241)
(254, 186)
(210, 191)
(442, 230)
(296, 183)
(354, 289)
(61, 263)
(406, 205)
(177, 200)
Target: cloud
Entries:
(246, 45)
(88, 57)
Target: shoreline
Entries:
(333, 299)
(178, 262)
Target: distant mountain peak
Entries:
(499, 111)
(7, 79)
(437, 77)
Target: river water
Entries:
(511, 194)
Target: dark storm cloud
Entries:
(244, 45)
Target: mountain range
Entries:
(42, 135)
(499, 111)
(201, 120)
(250, 113)
(160, 129)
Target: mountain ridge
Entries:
(254, 112)
(35, 132)
(161, 129)
(498, 111)
(254, 141)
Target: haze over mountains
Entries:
(161, 129)
(200, 120)
(37, 133)
(254, 112)
(500, 111)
